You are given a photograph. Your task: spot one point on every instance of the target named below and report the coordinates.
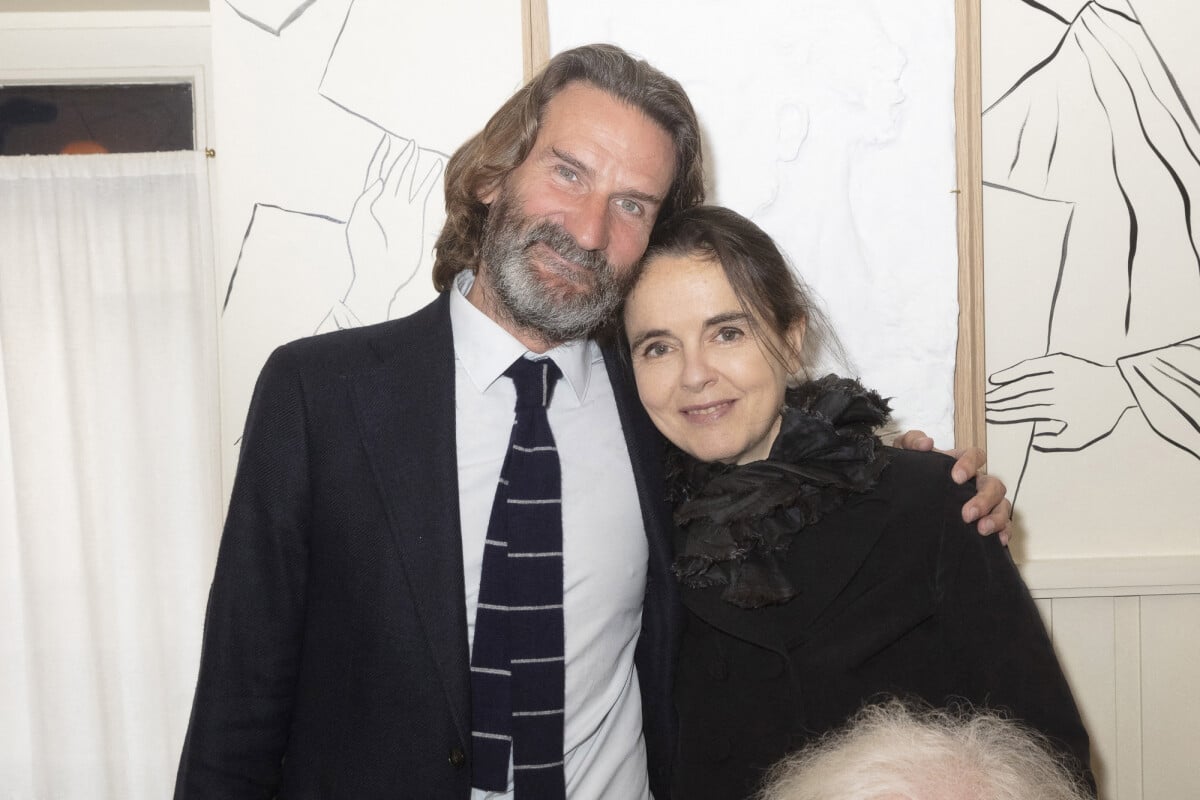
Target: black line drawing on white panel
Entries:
(270, 15)
(301, 271)
(378, 249)
(1099, 132)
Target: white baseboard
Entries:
(1113, 577)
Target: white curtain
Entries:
(110, 495)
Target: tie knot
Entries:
(534, 381)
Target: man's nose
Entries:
(588, 223)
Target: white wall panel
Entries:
(1171, 696)
(1084, 632)
(1127, 632)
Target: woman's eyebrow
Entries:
(642, 337)
(727, 316)
(717, 319)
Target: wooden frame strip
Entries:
(968, 112)
(535, 35)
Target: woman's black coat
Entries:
(897, 596)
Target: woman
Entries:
(819, 568)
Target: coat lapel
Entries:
(405, 408)
(820, 562)
(645, 447)
(662, 613)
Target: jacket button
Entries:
(457, 757)
(718, 670)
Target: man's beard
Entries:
(556, 314)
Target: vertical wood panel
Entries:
(1171, 696)
(1127, 651)
(1084, 632)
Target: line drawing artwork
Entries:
(304, 268)
(373, 254)
(270, 15)
(338, 118)
(1092, 247)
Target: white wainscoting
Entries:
(1127, 631)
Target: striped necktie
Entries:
(517, 680)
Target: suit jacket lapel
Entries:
(646, 457)
(405, 408)
(662, 613)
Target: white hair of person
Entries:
(894, 751)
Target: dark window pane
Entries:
(112, 118)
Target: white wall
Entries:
(831, 124)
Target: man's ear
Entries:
(488, 194)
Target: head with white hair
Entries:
(894, 751)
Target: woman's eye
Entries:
(729, 334)
(654, 350)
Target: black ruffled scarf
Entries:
(738, 521)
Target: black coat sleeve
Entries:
(253, 631)
(997, 635)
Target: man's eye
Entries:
(630, 206)
(566, 173)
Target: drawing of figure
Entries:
(321, 249)
(360, 263)
(833, 128)
(1109, 383)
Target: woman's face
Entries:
(706, 380)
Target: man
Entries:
(337, 657)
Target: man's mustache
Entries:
(564, 245)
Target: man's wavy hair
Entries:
(488, 157)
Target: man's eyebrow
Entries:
(631, 193)
(644, 197)
(571, 159)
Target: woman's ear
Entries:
(795, 340)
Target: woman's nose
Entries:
(698, 372)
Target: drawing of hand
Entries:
(1077, 402)
(386, 228)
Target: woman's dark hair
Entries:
(768, 289)
(487, 158)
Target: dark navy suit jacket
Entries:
(335, 647)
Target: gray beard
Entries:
(508, 237)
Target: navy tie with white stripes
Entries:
(517, 679)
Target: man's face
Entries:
(568, 225)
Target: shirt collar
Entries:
(485, 349)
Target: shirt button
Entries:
(457, 757)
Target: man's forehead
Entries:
(586, 120)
